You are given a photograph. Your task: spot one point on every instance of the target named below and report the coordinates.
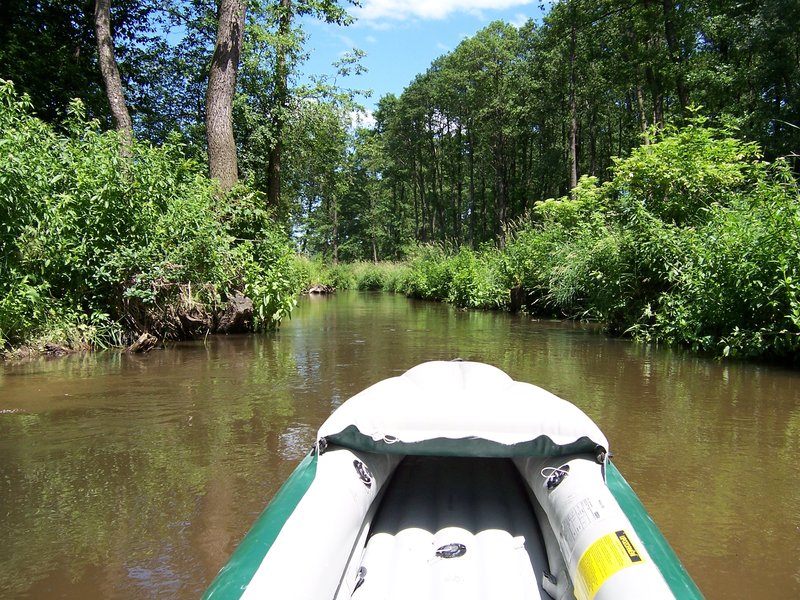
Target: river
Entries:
(127, 476)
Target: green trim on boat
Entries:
(676, 576)
(477, 447)
(235, 576)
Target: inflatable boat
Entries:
(453, 481)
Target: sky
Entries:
(402, 38)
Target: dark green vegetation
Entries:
(95, 245)
(668, 131)
(514, 116)
(693, 240)
(107, 234)
(632, 162)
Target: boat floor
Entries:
(477, 511)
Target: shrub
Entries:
(395, 276)
(94, 241)
(369, 277)
(429, 276)
(475, 279)
(734, 282)
(686, 171)
(342, 276)
(693, 241)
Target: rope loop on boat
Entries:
(320, 446)
(364, 473)
(554, 475)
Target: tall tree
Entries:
(110, 72)
(287, 44)
(222, 163)
(281, 102)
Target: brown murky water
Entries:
(135, 476)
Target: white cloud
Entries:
(362, 118)
(371, 39)
(347, 41)
(520, 20)
(377, 10)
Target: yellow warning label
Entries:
(606, 556)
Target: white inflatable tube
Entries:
(605, 558)
(321, 532)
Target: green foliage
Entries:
(694, 241)
(370, 278)
(86, 231)
(360, 275)
(429, 276)
(395, 276)
(385, 276)
(475, 279)
(687, 170)
(48, 48)
(342, 277)
(468, 279)
(733, 282)
(500, 121)
(311, 271)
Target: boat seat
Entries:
(454, 528)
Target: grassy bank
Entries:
(694, 241)
(97, 244)
(362, 276)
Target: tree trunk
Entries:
(110, 72)
(459, 196)
(423, 199)
(652, 78)
(335, 233)
(643, 126)
(416, 200)
(222, 163)
(573, 110)
(675, 53)
(593, 144)
(472, 207)
(502, 209)
(281, 104)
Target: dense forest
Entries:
(633, 161)
(514, 116)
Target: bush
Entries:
(686, 171)
(429, 276)
(693, 241)
(476, 281)
(365, 276)
(395, 276)
(468, 279)
(369, 277)
(734, 283)
(96, 241)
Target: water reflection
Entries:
(125, 476)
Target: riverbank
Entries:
(694, 241)
(100, 246)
